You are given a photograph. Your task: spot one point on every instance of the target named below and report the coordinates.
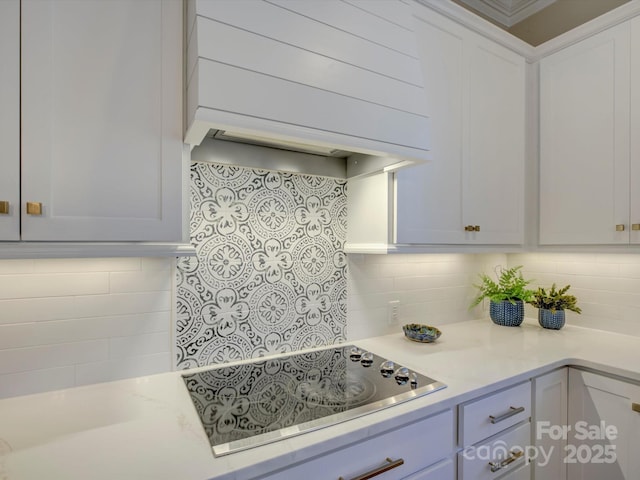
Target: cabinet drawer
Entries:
(499, 454)
(443, 470)
(419, 444)
(489, 415)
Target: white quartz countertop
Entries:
(147, 428)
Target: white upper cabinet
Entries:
(634, 128)
(472, 190)
(330, 73)
(10, 120)
(584, 140)
(101, 119)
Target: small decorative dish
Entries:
(421, 333)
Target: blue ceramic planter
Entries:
(506, 313)
(550, 319)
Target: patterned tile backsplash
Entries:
(270, 271)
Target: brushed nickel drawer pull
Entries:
(635, 407)
(390, 465)
(512, 411)
(34, 208)
(495, 466)
(4, 207)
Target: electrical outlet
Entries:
(392, 312)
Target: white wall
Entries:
(435, 289)
(607, 286)
(71, 322)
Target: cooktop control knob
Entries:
(402, 376)
(355, 354)
(386, 368)
(367, 359)
(414, 380)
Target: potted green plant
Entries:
(552, 304)
(507, 296)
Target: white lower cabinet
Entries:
(493, 433)
(503, 453)
(413, 447)
(484, 417)
(550, 410)
(605, 428)
(444, 470)
(566, 424)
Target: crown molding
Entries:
(530, 53)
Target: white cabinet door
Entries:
(476, 93)
(550, 410)
(101, 119)
(603, 442)
(10, 119)
(634, 218)
(493, 142)
(584, 141)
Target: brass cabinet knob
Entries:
(635, 226)
(34, 208)
(476, 228)
(4, 207)
(620, 227)
(472, 228)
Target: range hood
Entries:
(256, 151)
(281, 74)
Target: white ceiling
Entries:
(508, 12)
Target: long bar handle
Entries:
(512, 411)
(390, 465)
(495, 466)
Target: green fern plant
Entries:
(555, 299)
(511, 286)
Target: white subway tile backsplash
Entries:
(36, 309)
(53, 285)
(35, 381)
(75, 330)
(607, 286)
(13, 267)
(68, 322)
(123, 303)
(47, 356)
(131, 346)
(151, 263)
(141, 281)
(73, 322)
(435, 289)
(123, 368)
(78, 265)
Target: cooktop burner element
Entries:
(251, 404)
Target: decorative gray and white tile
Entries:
(270, 271)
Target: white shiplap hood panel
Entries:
(344, 75)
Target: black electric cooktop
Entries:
(251, 404)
